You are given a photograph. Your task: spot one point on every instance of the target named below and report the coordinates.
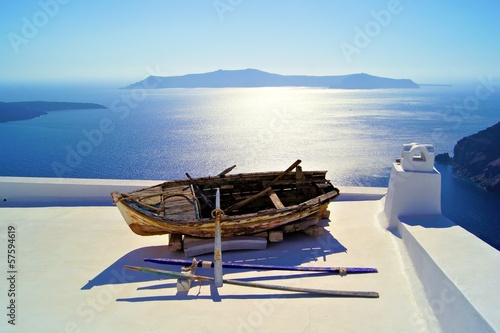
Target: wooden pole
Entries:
(322, 292)
(218, 243)
(210, 264)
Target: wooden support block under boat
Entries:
(314, 231)
(299, 225)
(194, 246)
(275, 236)
(174, 242)
(262, 234)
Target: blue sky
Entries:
(124, 41)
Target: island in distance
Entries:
(249, 78)
(28, 110)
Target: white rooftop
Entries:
(433, 275)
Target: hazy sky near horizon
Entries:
(115, 41)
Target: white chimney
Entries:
(414, 185)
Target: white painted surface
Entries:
(433, 276)
(46, 192)
(417, 157)
(71, 278)
(461, 274)
(414, 185)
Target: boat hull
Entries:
(239, 225)
(173, 207)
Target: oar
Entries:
(225, 172)
(218, 242)
(263, 192)
(210, 264)
(331, 293)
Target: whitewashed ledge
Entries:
(433, 275)
(460, 272)
(47, 192)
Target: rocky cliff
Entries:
(478, 157)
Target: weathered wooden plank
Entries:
(229, 179)
(182, 206)
(299, 174)
(276, 201)
(263, 192)
(248, 200)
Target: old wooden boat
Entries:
(251, 203)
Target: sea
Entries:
(160, 134)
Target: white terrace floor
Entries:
(70, 277)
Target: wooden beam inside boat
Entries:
(276, 200)
(265, 191)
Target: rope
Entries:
(217, 212)
(190, 268)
